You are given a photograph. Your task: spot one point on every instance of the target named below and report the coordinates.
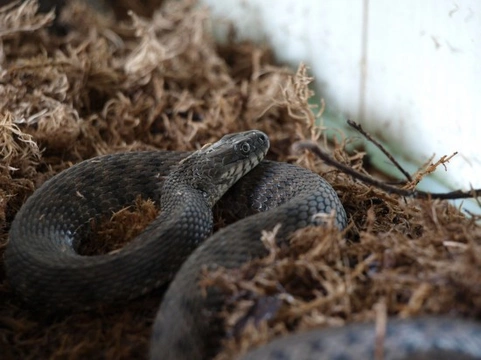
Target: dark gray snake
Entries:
(43, 265)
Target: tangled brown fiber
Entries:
(113, 85)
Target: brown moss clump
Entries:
(163, 83)
(398, 257)
(112, 233)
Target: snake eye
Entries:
(245, 148)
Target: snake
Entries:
(44, 266)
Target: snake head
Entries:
(216, 167)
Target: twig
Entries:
(316, 150)
(368, 136)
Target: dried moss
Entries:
(110, 86)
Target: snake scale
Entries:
(43, 265)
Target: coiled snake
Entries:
(43, 265)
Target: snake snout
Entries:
(262, 138)
(253, 142)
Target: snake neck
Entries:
(178, 191)
(183, 204)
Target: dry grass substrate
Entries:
(164, 83)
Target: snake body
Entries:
(43, 265)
